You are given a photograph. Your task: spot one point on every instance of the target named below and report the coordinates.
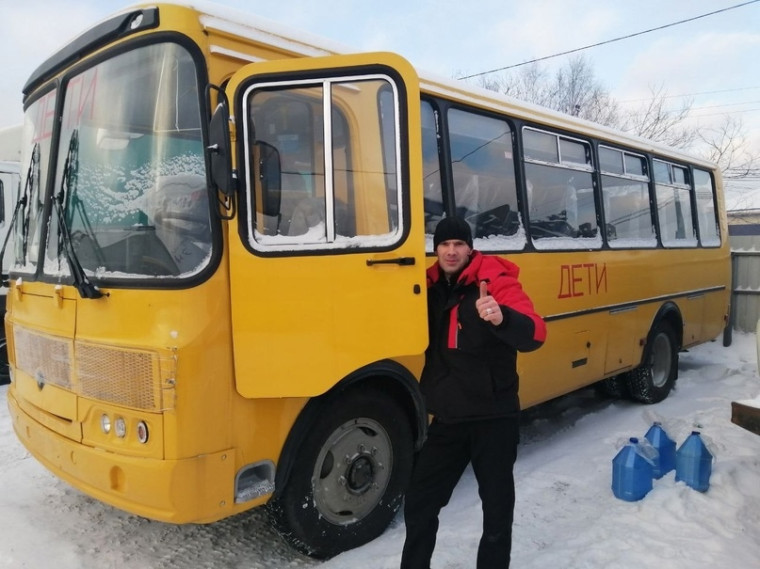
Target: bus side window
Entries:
(551, 197)
(625, 196)
(709, 231)
(561, 202)
(483, 169)
(674, 205)
(432, 188)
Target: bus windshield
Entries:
(130, 198)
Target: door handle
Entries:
(402, 261)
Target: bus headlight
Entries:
(142, 432)
(105, 423)
(120, 427)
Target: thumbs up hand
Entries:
(487, 307)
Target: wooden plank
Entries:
(746, 416)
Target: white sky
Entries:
(713, 60)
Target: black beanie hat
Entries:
(452, 228)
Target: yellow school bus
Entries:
(217, 290)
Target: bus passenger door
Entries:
(327, 269)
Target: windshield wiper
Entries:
(24, 199)
(71, 204)
(81, 282)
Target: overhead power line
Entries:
(702, 115)
(700, 107)
(684, 95)
(678, 23)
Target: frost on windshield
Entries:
(150, 221)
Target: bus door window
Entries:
(674, 213)
(388, 138)
(432, 187)
(485, 191)
(287, 122)
(707, 216)
(625, 195)
(328, 194)
(371, 159)
(561, 204)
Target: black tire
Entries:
(654, 379)
(5, 376)
(348, 480)
(615, 387)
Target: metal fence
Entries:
(745, 297)
(745, 292)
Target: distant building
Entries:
(744, 228)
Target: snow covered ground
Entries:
(566, 515)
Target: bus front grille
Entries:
(119, 376)
(45, 358)
(139, 379)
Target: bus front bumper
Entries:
(192, 490)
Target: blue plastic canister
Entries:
(631, 473)
(694, 463)
(665, 461)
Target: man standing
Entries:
(478, 318)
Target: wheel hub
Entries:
(352, 471)
(361, 473)
(661, 360)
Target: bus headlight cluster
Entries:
(142, 432)
(119, 427)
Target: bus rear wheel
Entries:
(348, 481)
(654, 379)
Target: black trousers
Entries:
(491, 447)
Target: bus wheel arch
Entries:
(652, 381)
(345, 466)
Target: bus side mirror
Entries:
(218, 149)
(270, 177)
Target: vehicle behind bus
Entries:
(10, 154)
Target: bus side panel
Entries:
(600, 307)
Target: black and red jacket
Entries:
(471, 365)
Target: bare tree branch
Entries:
(574, 90)
(654, 121)
(726, 144)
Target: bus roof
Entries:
(478, 96)
(295, 43)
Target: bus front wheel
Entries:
(654, 379)
(348, 480)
